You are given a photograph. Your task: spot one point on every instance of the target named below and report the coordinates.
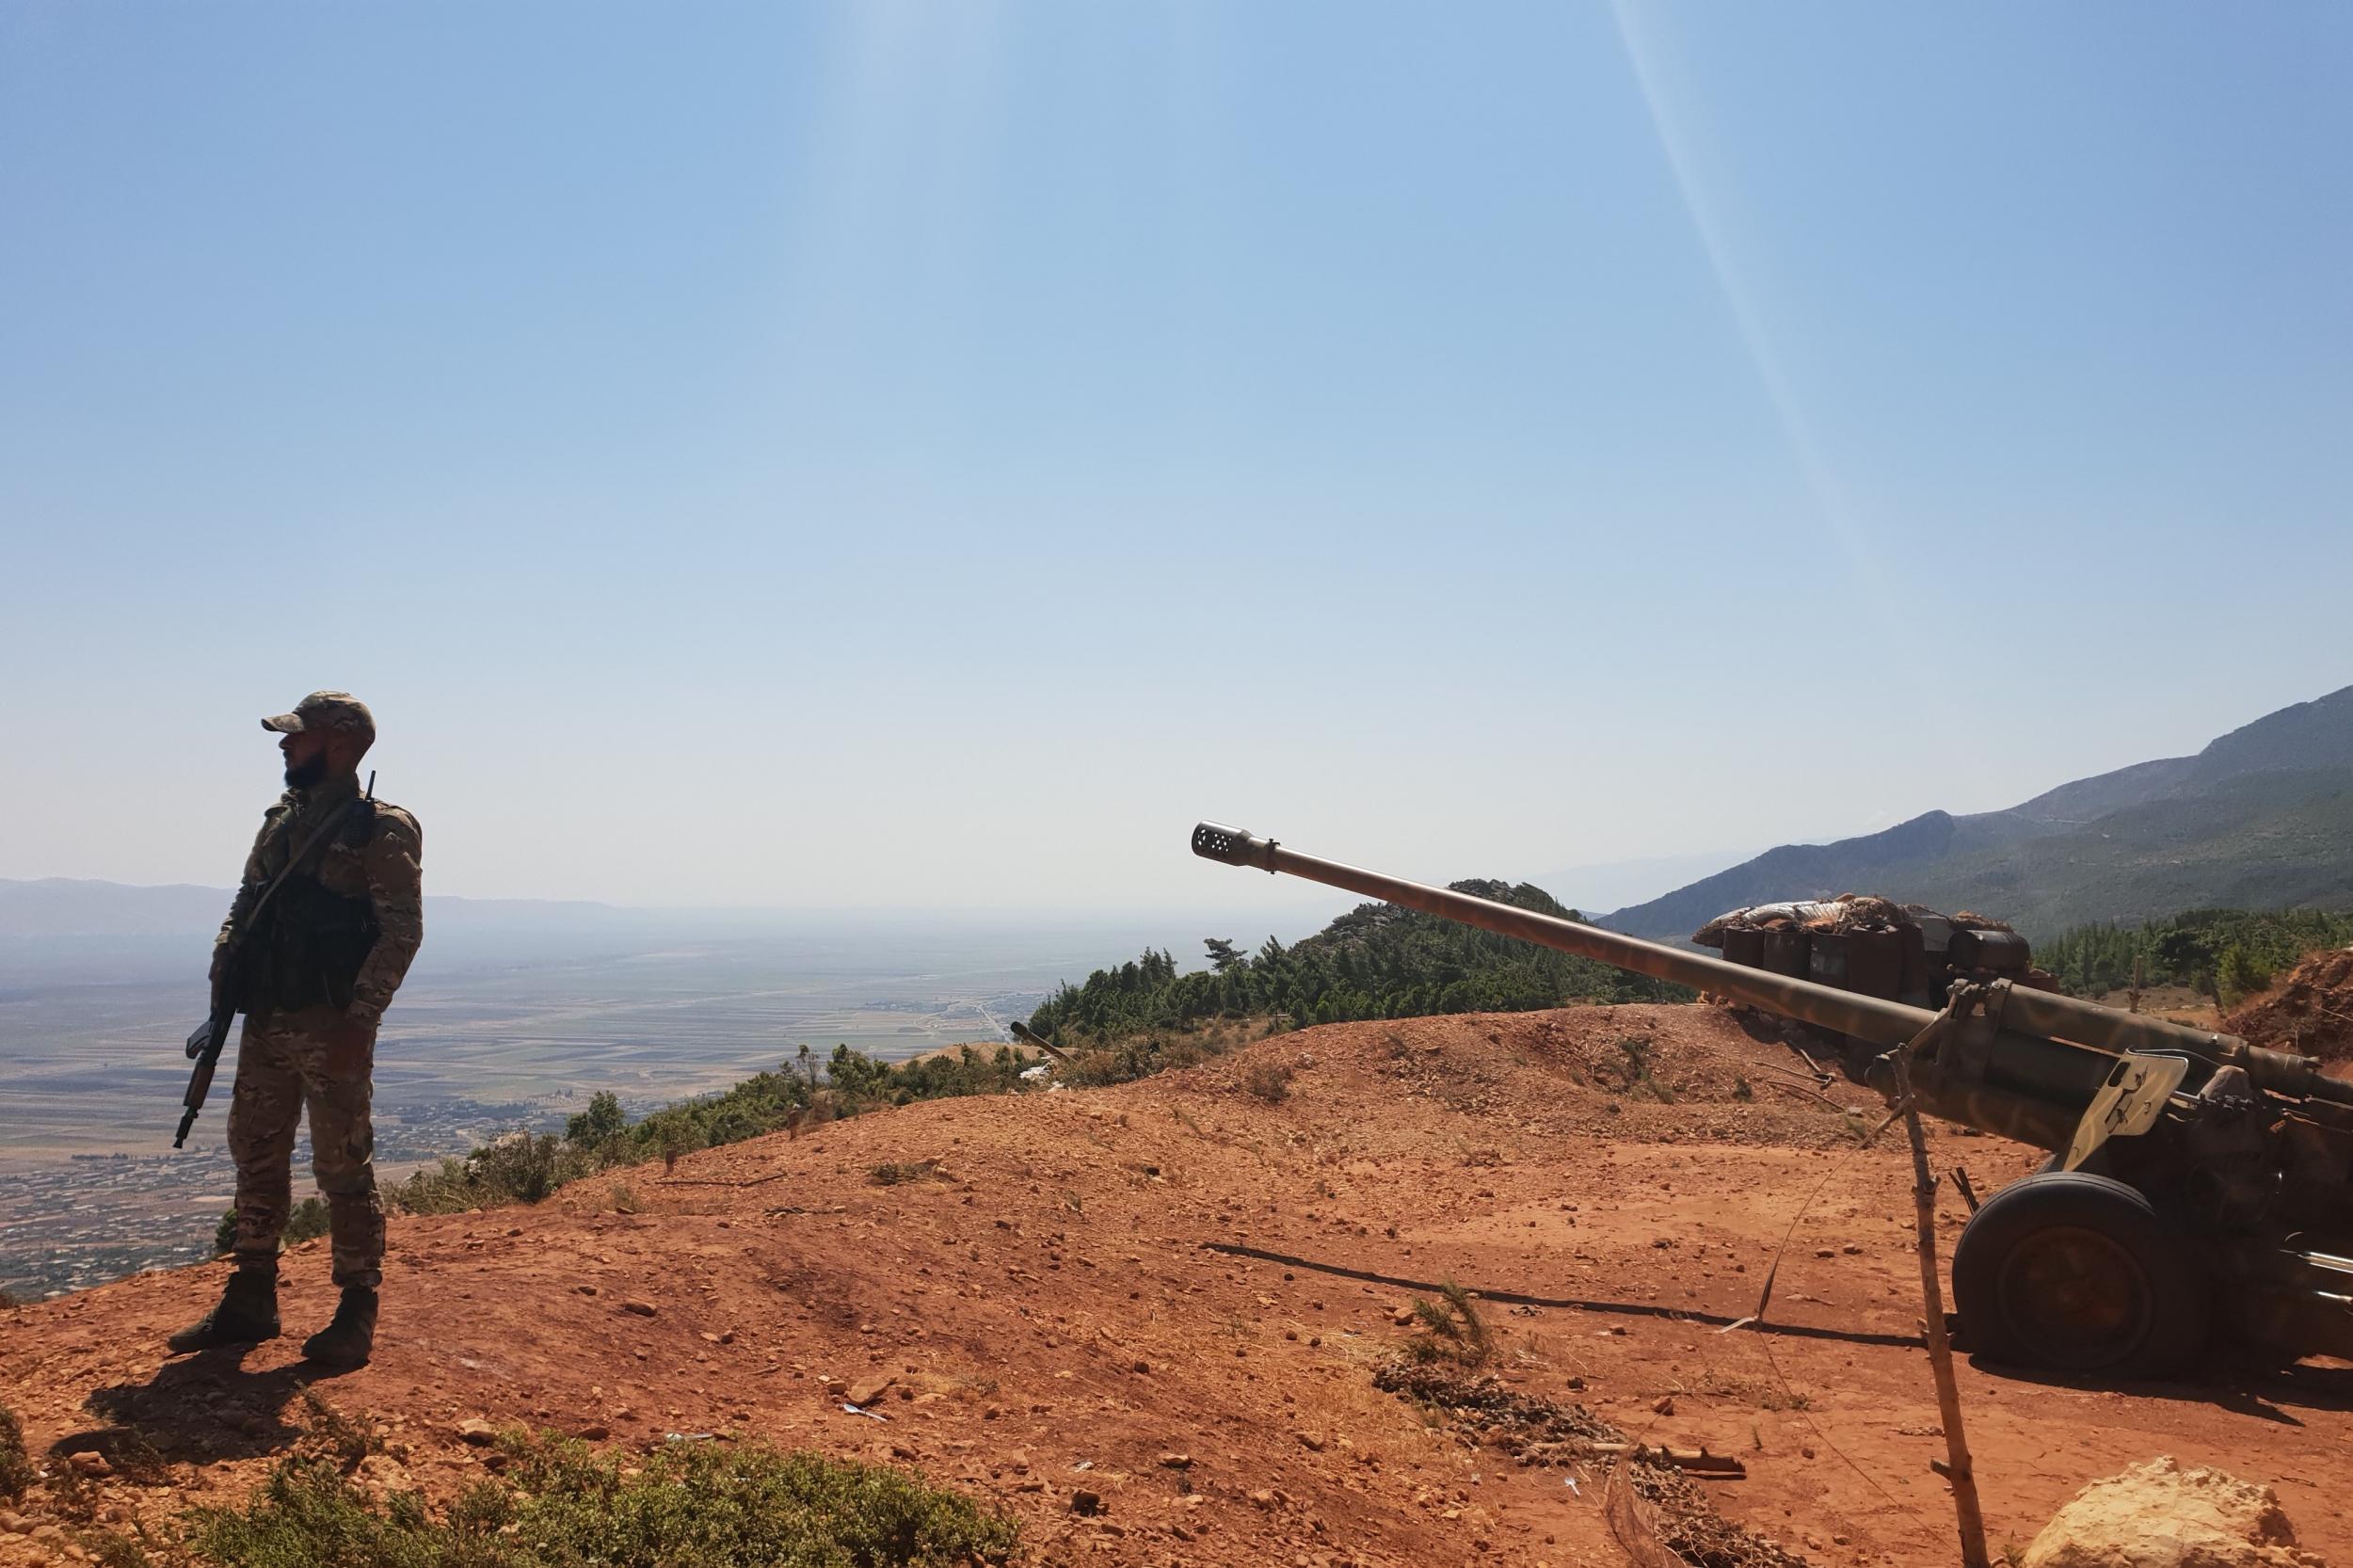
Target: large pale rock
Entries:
(2159, 1516)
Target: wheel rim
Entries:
(2075, 1298)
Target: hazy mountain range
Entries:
(2262, 818)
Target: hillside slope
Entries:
(1174, 1294)
(2262, 818)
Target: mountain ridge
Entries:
(2262, 816)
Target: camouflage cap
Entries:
(325, 711)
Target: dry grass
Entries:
(1269, 1080)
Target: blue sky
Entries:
(928, 456)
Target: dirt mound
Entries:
(2159, 1516)
(1173, 1296)
(2309, 1011)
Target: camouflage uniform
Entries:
(321, 1056)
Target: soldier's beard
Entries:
(303, 776)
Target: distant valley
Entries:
(508, 1021)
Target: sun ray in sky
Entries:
(1644, 55)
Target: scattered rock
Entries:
(2309, 1012)
(89, 1464)
(2159, 1516)
(476, 1430)
(1663, 1405)
(643, 1308)
(1176, 1462)
(867, 1390)
(1086, 1503)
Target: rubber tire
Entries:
(2171, 1301)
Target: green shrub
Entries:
(692, 1506)
(518, 1168)
(1104, 1064)
(1638, 1079)
(2240, 974)
(600, 1121)
(109, 1550)
(16, 1467)
(1452, 1330)
(525, 1168)
(309, 1220)
(1377, 961)
(2191, 949)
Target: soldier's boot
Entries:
(350, 1335)
(247, 1314)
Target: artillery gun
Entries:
(2199, 1189)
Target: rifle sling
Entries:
(318, 836)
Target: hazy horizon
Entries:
(1610, 885)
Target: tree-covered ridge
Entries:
(2224, 954)
(2260, 818)
(1376, 960)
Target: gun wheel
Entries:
(2078, 1273)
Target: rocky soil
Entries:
(2308, 1011)
(1175, 1295)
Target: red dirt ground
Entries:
(2309, 1010)
(1099, 1278)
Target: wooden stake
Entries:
(1955, 1468)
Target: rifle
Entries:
(204, 1045)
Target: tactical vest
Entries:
(306, 946)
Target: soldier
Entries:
(311, 959)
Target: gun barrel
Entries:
(2106, 1029)
(1884, 1023)
(2048, 1040)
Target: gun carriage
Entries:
(2199, 1190)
